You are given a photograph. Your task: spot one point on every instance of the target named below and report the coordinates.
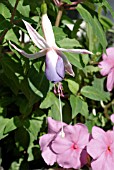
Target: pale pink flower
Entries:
(45, 142)
(101, 149)
(70, 147)
(107, 67)
(56, 62)
(112, 118)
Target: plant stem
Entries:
(11, 21)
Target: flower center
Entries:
(74, 146)
(108, 149)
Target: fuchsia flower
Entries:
(107, 67)
(69, 148)
(101, 149)
(56, 61)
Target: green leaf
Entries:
(3, 122)
(34, 89)
(59, 34)
(67, 1)
(10, 126)
(4, 11)
(95, 24)
(78, 106)
(73, 86)
(10, 35)
(75, 59)
(108, 6)
(94, 93)
(68, 43)
(22, 138)
(48, 101)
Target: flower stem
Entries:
(59, 15)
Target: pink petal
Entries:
(104, 162)
(54, 126)
(95, 148)
(48, 156)
(69, 159)
(48, 30)
(38, 40)
(51, 67)
(31, 56)
(110, 80)
(60, 144)
(83, 135)
(97, 132)
(109, 53)
(45, 140)
(77, 51)
(112, 118)
(105, 67)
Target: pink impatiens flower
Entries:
(56, 62)
(70, 147)
(101, 149)
(107, 67)
(54, 128)
(112, 118)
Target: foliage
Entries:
(27, 97)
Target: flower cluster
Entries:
(74, 149)
(68, 150)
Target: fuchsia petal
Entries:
(31, 56)
(68, 66)
(38, 40)
(69, 159)
(54, 126)
(110, 80)
(48, 30)
(52, 72)
(77, 51)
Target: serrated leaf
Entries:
(78, 106)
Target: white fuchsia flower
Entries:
(56, 62)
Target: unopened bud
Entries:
(44, 8)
